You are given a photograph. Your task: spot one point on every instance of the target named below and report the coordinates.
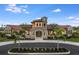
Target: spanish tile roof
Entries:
(29, 27)
(50, 27)
(39, 20)
(15, 27)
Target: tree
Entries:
(53, 29)
(17, 34)
(58, 31)
(76, 32)
(16, 37)
(23, 26)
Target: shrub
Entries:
(2, 34)
(40, 50)
(10, 36)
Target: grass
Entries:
(73, 39)
(2, 39)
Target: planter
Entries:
(39, 51)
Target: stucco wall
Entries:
(32, 33)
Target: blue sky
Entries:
(63, 14)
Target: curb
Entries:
(53, 41)
(62, 53)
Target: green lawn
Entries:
(73, 39)
(70, 39)
(5, 39)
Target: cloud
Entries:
(70, 17)
(7, 23)
(12, 5)
(2, 22)
(77, 18)
(25, 11)
(56, 10)
(74, 21)
(25, 6)
(73, 18)
(17, 9)
(74, 24)
(38, 18)
(14, 9)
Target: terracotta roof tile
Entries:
(39, 20)
(15, 27)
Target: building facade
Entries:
(41, 30)
(38, 29)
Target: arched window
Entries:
(44, 24)
(37, 24)
(40, 25)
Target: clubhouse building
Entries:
(38, 29)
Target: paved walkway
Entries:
(40, 41)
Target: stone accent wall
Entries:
(43, 30)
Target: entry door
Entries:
(38, 34)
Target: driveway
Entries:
(74, 49)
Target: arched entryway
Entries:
(39, 35)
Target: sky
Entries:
(62, 14)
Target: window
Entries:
(44, 24)
(36, 24)
(39, 24)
